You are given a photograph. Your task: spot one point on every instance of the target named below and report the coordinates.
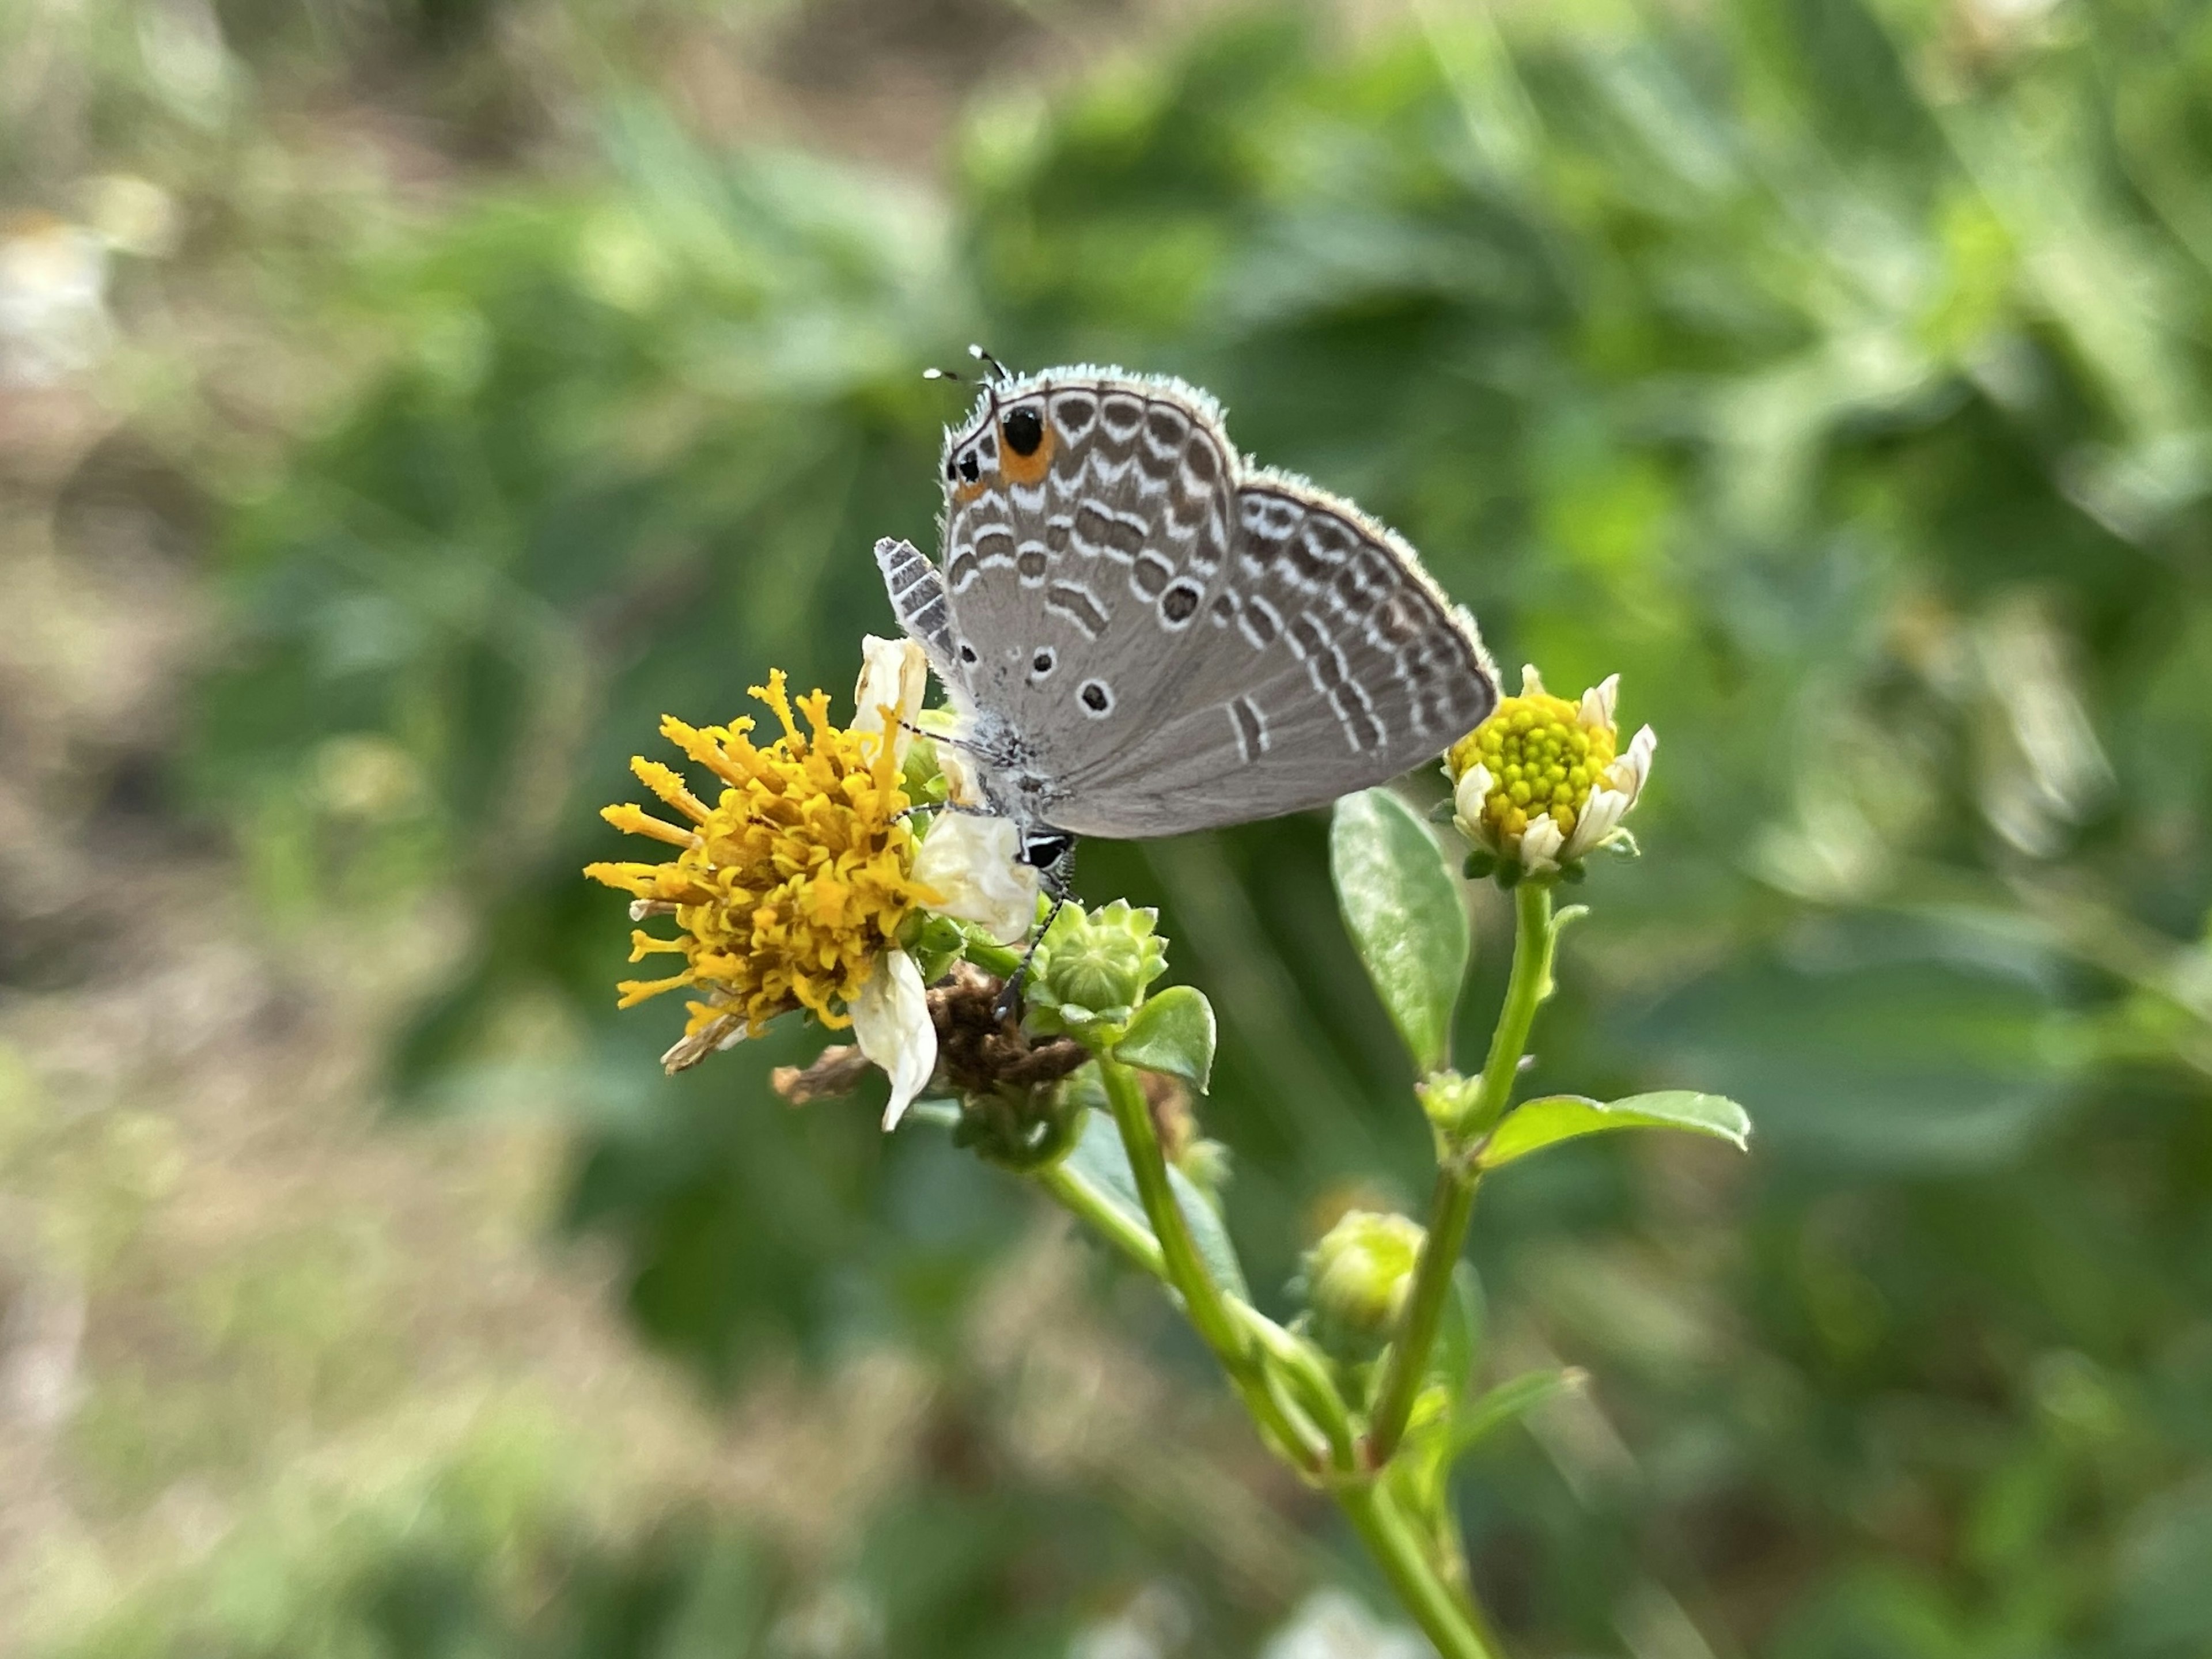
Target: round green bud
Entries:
(1359, 1276)
(1091, 969)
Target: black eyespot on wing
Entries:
(967, 652)
(1044, 662)
(1095, 697)
(968, 469)
(1024, 430)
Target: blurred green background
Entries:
(404, 402)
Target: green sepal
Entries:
(936, 944)
(1536, 1124)
(1480, 864)
(1404, 913)
(922, 777)
(1173, 1033)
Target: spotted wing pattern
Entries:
(917, 596)
(1154, 637)
(1101, 512)
(1332, 662)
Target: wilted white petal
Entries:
(960, 786)
(1532, 683)
(1539, 846)
(891, 1021)
(723, 1031)
(970, 862)
(894, 674)
(1598, 701)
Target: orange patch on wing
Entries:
(964, 493)
(1026, 469)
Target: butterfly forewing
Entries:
(1101, 514)
(1170, 640)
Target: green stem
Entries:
(1300, 1364)
(1443, 1617)
(1112, 1221)
(1183, 1268)
(1534, 937)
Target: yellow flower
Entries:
(1541, 784)
(792, 890)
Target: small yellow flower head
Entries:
(1542, 783)
(790, 889)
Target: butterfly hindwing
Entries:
(1332, 663)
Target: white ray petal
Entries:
(1539, 846)
(890, 1020)
(894, 673)
(969, 861)
(1598, 701)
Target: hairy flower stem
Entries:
(1208, 1309)
(1535, 934)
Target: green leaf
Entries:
(1536, 1124)
(1509, 1400)
(1404, 912)
(1459, 1333)
(1173, 1033)
(1099, 1159)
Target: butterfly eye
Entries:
(1024, 430)
(968, 469)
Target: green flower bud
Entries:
(1357, 1279)
(1090, 971)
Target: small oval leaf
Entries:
(1099, 1158)
(1536, 1124)
(1173, 1033)
(1404, 913)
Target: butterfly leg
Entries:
(1057, 878)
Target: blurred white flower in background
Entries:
(133, 215)
(1331, 1624)
(53, 299)
(1156, 1624)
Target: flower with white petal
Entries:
(797, 888)
(1542, 783)
(968, 861)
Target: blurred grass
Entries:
(1837, 373)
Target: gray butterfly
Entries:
(1147, 634)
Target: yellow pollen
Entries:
(793, 883)
(1541, 759)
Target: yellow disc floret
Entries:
(1543, 759)
(789, 888)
